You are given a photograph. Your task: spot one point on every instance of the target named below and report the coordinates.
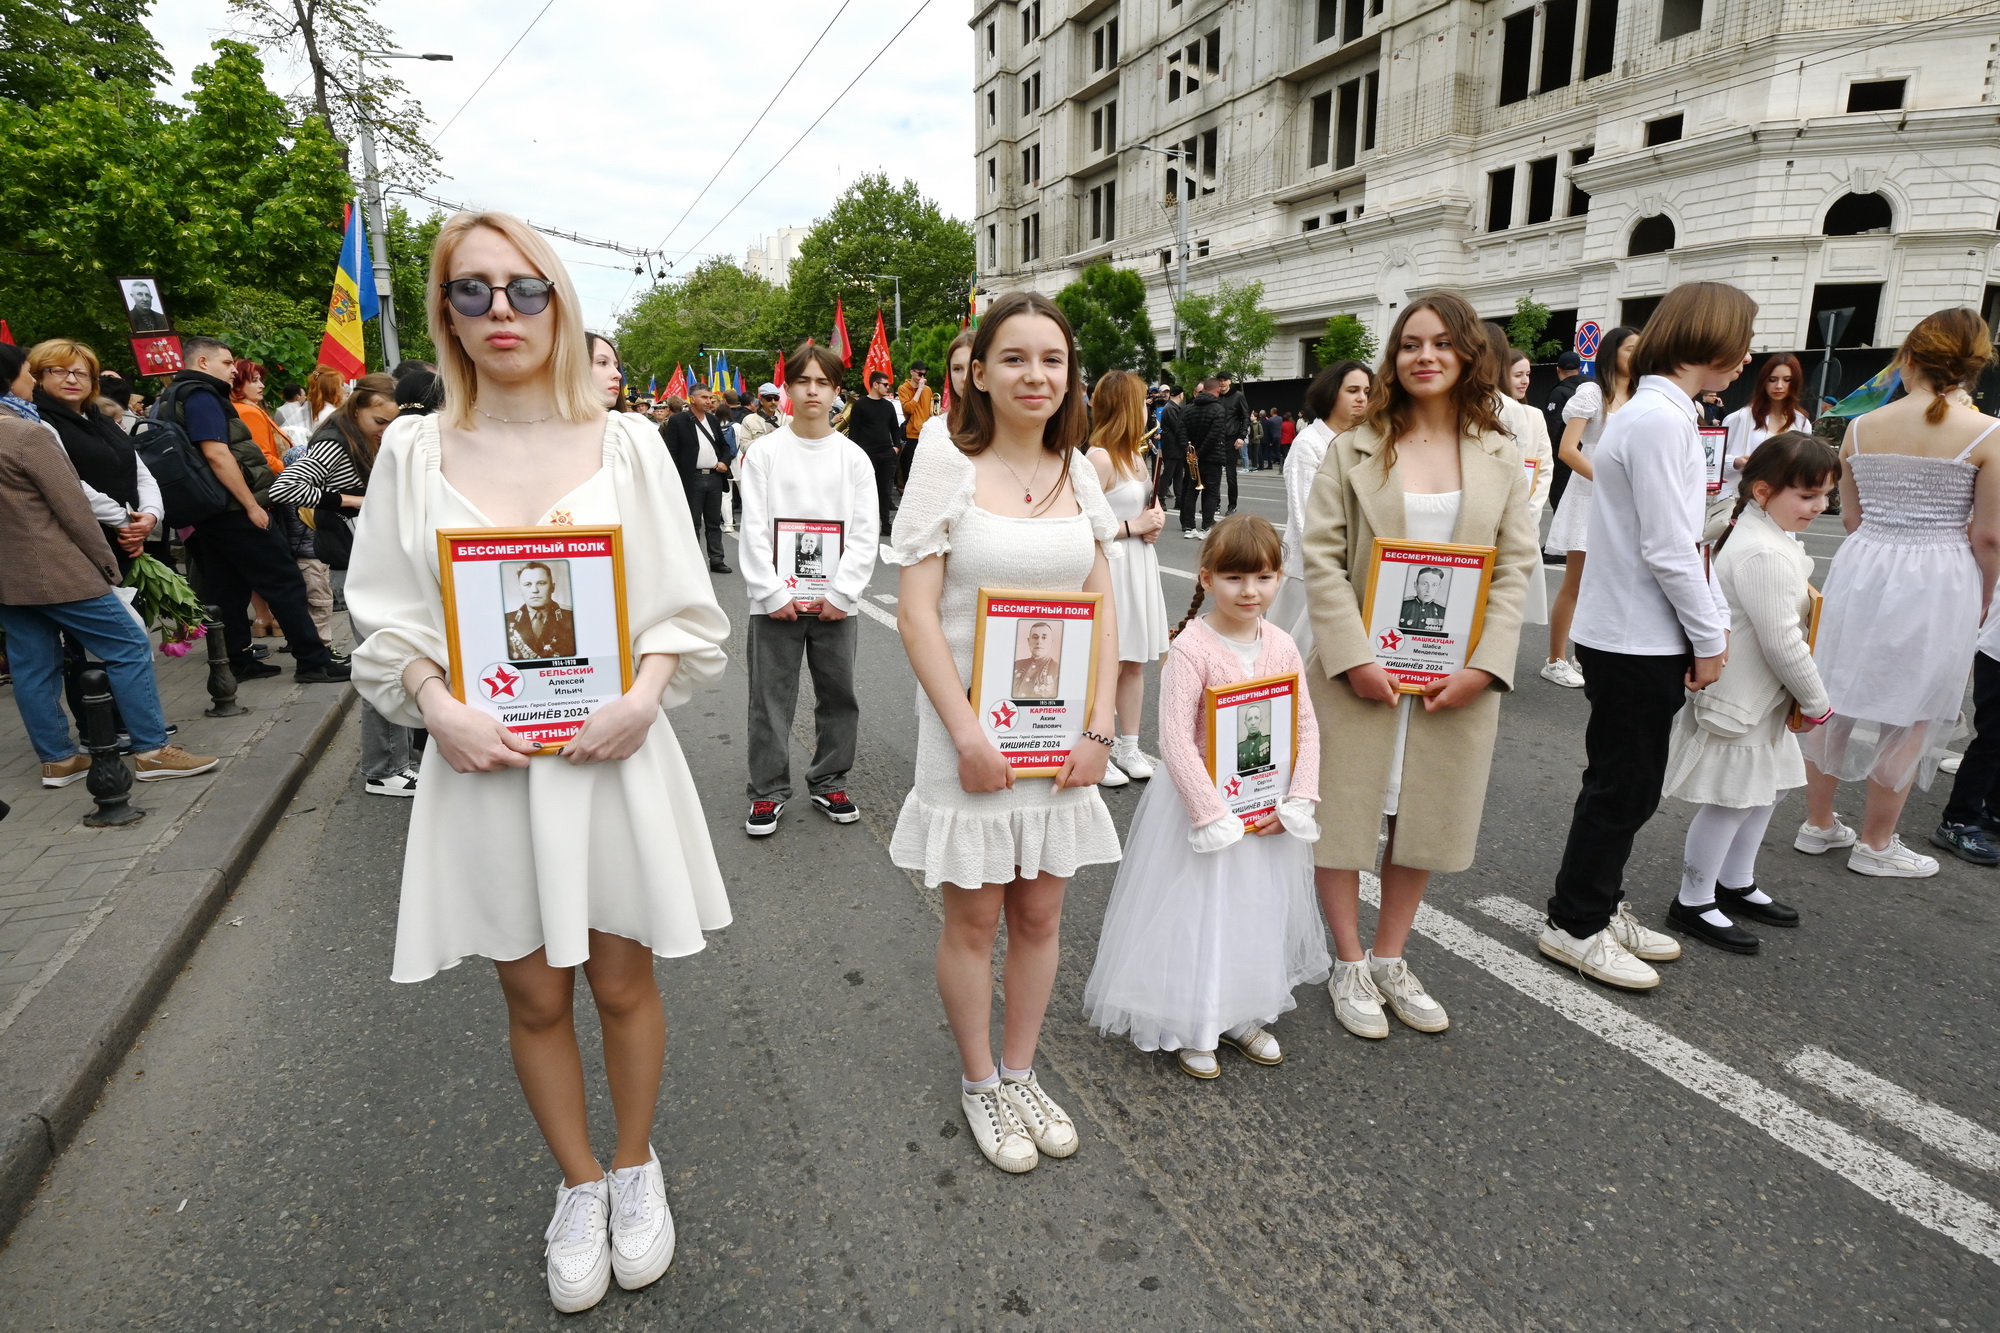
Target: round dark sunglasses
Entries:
(472, 298)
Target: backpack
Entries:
(188, 487)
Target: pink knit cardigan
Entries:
(1198, 660)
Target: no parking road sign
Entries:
(1588, 335)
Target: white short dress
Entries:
(1572, 520)
(1135, 578)
(498, 865)
(1302, 463)
(967, 838)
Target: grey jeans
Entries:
(775, 649)
(385, 747)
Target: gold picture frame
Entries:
(1073, 608)
(1816, 607)
(1217, 697)
(1460, 556)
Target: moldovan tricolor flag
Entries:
(842, 348)
(878, 353)
(353, 301)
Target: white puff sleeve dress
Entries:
(498, 865)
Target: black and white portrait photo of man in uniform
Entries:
(808, 563)
(142, 306)
(1038, 675)
(1253, 747)
(1423, 610)
(541, 627)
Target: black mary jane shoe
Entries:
(1688, 921)
(1736, 902)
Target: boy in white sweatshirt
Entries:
(807, 546)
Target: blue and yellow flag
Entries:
(1879, 389)
(353, 302)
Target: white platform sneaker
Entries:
(642, 1226)
(579, 1249)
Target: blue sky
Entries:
(613, 114)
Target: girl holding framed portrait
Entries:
(1431, 462)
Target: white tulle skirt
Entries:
(1194, 944)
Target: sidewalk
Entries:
(95, 922)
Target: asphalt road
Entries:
(1800, 1140)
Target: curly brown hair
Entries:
(1390, 403)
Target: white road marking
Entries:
(876, 614)
(886, 598)
(1947, 1131)
(1911, 1191)
(1177, 573)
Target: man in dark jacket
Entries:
(1569, 375)
(1173, 447)
(1206, 421)
(701, 451)
(872, 425)
(1235, 427)
(241, 551)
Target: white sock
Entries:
(1715, 916)
(1126, 745)
(1016, 1075)
(1342, 962)
(987, 1084)
(1377, 960)
(1756, 895)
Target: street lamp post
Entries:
(899, 299)
(371, 197)
(1180, 236)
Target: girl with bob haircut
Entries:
(598, 857)
(1118, 450)
(1920, 499)
(1651, 622)
(1005, 508)
(1430, 462)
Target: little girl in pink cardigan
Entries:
(1213, 919)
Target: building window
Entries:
(1664, 130)
(1310, 224)
(989, 39)
(1104, 46)
(1876, 95)
(992, 107)
(1541, 190)
(1209, 142)
(1858, 215)
(1600, 38)
(1558, 44)
(1320, 141)
(1863, 301)
(1338, 216)
(1031, 238)
(992, 175)
(1173, 83)
(1653, 236)
(1031, 165)
(1350, 22)
(1500, 199)
(1326, 23)
(992, 245)
(1111, 127)
(1104, 211)
(1517, 51)
(1212, 60)
(1097, 130)
(1348, 127)
(1201, 249)
(1579, 198)
(1679, 18)
(1369, 86)
(1031, 21)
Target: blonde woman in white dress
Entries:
(597, 858)
(1011, 505)
(1117, 440)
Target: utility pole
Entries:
(899, 300)
(1183, 192)
(371, 200)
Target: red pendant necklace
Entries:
(1028, 486)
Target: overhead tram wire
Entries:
(495, 70)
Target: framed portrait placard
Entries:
(1034, 667)
(1715, 455)
(1425, 606)
(535, 620)
(1797, 720)
(807, 553)
(1253, 741)
(1533, 467)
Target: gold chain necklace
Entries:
(509, 421)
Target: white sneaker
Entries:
(1132, 763)
(1356, 1002)
(727, 526)
(396, 784)
(642, 1226)
(1601, 956)
(1950, 763)
(1406, 996)
(1641, 942)
(1113, 775)
(1047, 1124)
(579, 1249)
(1816, 841)
(1893, 862)
(1560, 672)
(998, 1131)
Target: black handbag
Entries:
(333, 534)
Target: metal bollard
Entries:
(110, 781)
(221, 680)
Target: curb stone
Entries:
(55, 1058)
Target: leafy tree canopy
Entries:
(43, 43)
(1106, 309)
(1346, 339)
(1524, 330)
(930, 345)
(717, 305)
(1225, 330)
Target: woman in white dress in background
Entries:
(597, 858)
(1773, 409)
(1584, 416)
(1011, 505)
(1531, 435)
(1336, 401)
(1117, 451)
(938, 430)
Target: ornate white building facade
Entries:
(1588, 154)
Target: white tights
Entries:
(1722, 844)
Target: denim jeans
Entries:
(385, 747)
(106, 628)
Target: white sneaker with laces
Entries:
(1639, 941)
(1114, 776)
(579, 1249)
(1132, 763)
(998, 1131)
(1601, 956)
(395, 784)
(1406, 996)
(642, 1226)
(1047, 1124)
(1817, 841)
(1356, 1001)
(1560, 672)
(1892, 862)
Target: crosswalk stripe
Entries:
(1947, 1131)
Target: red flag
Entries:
(878, 353)
(784, 394)
(840, 341)
(6, 334)
(677, 387)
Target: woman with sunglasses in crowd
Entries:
(597, 857)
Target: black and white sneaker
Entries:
(763, 821)
(837, 807)
(395, 784)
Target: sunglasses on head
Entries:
(472, 298)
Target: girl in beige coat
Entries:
(1430, 463)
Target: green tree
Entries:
(1226, 330)
(876, 227)
(1524, 330)
(717, 305)
(43, 42)
(931, 345)
(1346, 339)
(1106, 309)
(410, 245)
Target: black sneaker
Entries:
(253, 670)
(1736, 903)
(1688, 921)
(260, 651)
(331, 672)
(1967, 842)
(837, 807)
(763, 821)
(717, 567)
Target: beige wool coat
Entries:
(1449, 752)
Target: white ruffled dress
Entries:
(972, 839)
(1135, 578)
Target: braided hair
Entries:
(1789, 458)
(1239, 544)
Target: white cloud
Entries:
(611, 116)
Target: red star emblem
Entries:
(1235, 787)
(501, 682)
(792, 582)
(1392, 640)
(1003, 716)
